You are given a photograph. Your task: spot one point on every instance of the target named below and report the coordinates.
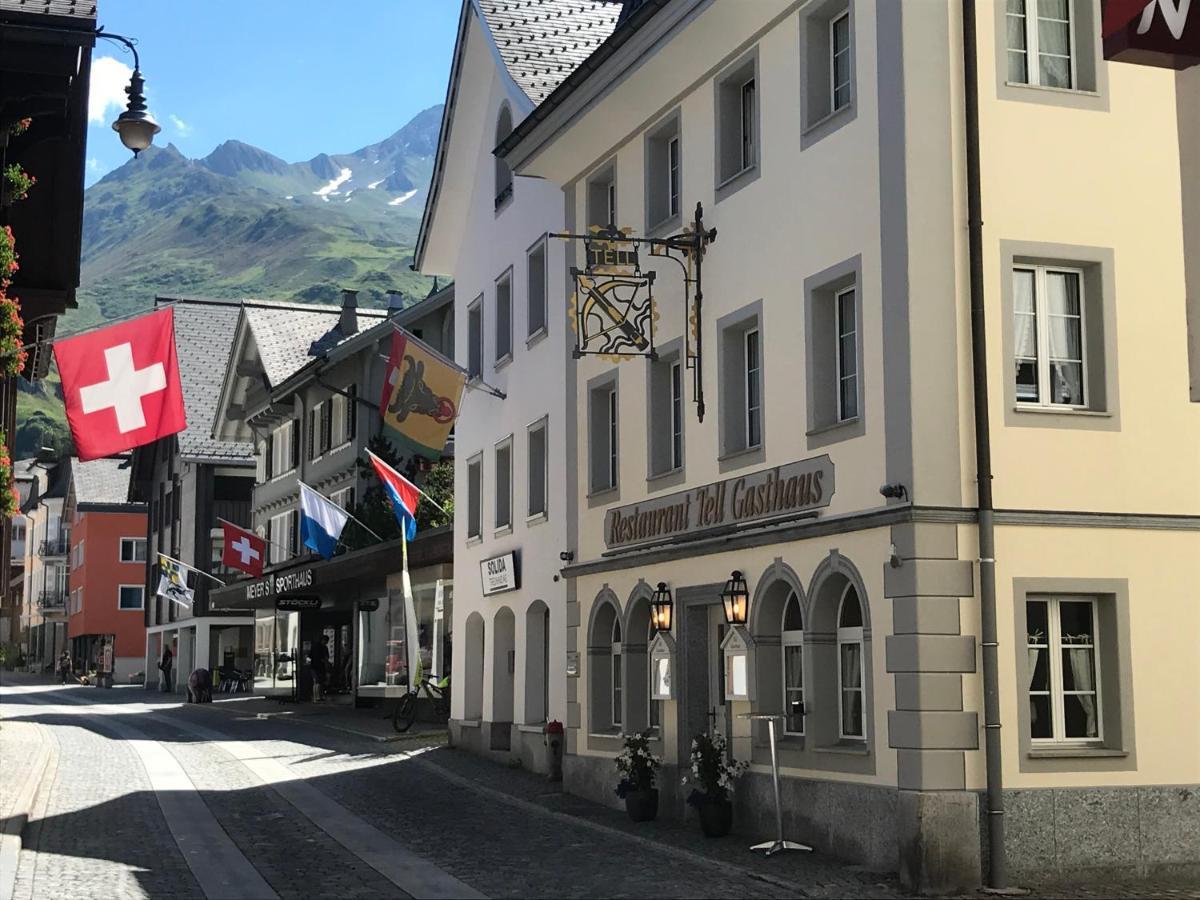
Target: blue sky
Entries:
(294, 77)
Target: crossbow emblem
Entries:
(612, 310)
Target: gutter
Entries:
(997, 863)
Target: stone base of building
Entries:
(506, 743)
(938, 838)
(1103, 833)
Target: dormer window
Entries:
(504, 178)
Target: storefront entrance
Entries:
(333, 624)
(702, 691)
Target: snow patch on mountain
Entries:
(334, 183)
(375, 184)
(401, 198)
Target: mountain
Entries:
(243, 222)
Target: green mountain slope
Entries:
(243, 223)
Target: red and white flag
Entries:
(244, 550)
(121, 385)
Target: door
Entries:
(702, 688)
(718, 711)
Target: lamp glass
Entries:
(661, 607)
(136, 132)
(736, 599)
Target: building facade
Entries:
(827, 144)
(47, 541)
(514, 512)
(302, 385)
(106, 589)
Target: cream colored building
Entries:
(826, 142)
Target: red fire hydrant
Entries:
(554, 739)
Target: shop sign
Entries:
(499, 574)
(298, 603)
(274, 585)
(1162, 33)
(797, 487)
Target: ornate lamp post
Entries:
(136, 127)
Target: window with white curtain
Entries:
(1064, 669)
(792, 640)
(1041, 42)
(616, 672)
(851, 717)
(1049, 335)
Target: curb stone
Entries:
(11, 842)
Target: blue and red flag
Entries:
(402, 492)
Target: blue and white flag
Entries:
(321, 521)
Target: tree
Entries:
(375, 508)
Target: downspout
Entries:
(997, 865)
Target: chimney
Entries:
(348, 322)
(395, 302)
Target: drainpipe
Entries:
(997, 864)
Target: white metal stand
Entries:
(779, 843)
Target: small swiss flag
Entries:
(121, 385)
(244, 550)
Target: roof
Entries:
(101, 481)
(203, 337)
(286, 340)
(81, 11)
(543, 41)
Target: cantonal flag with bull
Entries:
(422, 391)
(121, 384)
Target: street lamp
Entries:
(661, 607)
(136, 127)
(736, 598)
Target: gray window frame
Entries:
(660, 417)
(1101, 391)
(540, 246)
(821, 353)
(818, 117)
(474, 517)
(602, 386)
(727, 135)
(599, 187)
(1116, 750)
(504, 319)
(504, 485)
(731, 368)
(541, 426)
(1091, 69)
(476, 344)
(659, 215)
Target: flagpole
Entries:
(190, 568)
(351, 515)
(287, 550)
(439, 506)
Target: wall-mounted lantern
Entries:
(736, 599)
(662, 667)
(661, 607)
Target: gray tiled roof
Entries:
(101, 480)
(286, 332)
(82, 10)
(203, 338)
(543, 41)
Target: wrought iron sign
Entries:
(613, 311)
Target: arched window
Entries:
(850, 666)
(792, 642)
(616, 672)
(654, 710)
(504, 182)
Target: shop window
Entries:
(602, 196)
(792, 641)
(663, 174)
(475, 338)
(503, 505)
(504, 318)
(535, 285)
(537, 491)
(475, 497)
(850, 666)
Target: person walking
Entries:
(168, 660)
(318, 661)
(64, 667)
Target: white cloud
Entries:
(110, 77)
(182, 127)
(93, 164)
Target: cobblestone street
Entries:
(131, 795)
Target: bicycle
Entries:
(405, 711)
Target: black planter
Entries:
(716, 817)
(642, 806)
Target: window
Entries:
(1049, 334)
(341, 418)
(504, 178)
(282, 536)
(77, 555)
(343, 498)
(602, 197)
(535, 273)
(792, 640)
(665, 408)
(132, 550)
(284, 448)
(504, 318)
(474, 497)
(663, 173)
(737, 120)
(653, 707)
(504, 484)
(740, 373)
(602, 439)
(537, 469)
(1040, 43)
(130, 596)
(1063, 669)
(475, 338)
(851, 723)
(847, 355)
(753, 371)
(839, 62)
(318, 415)
(616, 672)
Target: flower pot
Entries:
(642, 806)
(716, 817)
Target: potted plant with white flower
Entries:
(713, 775)
(638, 768)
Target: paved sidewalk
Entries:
(373, 723)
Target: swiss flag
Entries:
(244, 550)
(121, 385)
